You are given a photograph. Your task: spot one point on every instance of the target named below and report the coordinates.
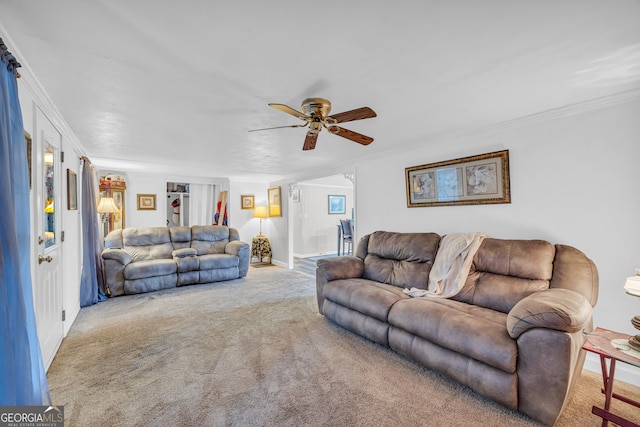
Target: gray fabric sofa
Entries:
(513, 333)
(150, 258)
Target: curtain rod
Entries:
(10, 61)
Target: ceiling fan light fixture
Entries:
(315, 126)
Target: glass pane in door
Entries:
(49, 196)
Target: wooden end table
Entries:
(599, 342)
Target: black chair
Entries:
(347, 236)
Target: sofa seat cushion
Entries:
(476, 332)
(150, 268)
(215, 261)
(364, 296)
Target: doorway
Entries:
(177, 204)
(315, 217)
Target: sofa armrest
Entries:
(234, 247)
(184, 252)
(243, 251)
(559, 309)
(341, 267)
(120, 255)
(335, 268)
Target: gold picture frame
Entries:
(247, 201)
(275, 208)
(146, 202)
(474, 180)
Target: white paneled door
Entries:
(47, 283)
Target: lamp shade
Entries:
(107, 205)
(260, 212)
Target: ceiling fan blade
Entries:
(279, 127)
(357, 114)
(310, 141)
(289, 110)
(353, 136)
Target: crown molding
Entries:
(447, 137)
(593, 104)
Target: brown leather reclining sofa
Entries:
(513, 333)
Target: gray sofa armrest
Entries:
(120, 255)
(243, 251)
(184, 252)
(335, 268)
(558, 309)
(234, 247)
(341, 267)
(115, 260)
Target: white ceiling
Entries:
(163, 86)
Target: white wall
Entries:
(574, 180)
(278, 229)
(242, 219)
(142, 183)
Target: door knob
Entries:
(42, 259)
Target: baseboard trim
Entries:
(314, 254)
(280, 264)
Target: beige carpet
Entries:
(255, 352)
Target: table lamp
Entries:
(632, 287)
(260, 212)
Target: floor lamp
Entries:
(260, 212)
(106, 207)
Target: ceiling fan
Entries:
(315, 114)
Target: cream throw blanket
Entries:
(451, 266)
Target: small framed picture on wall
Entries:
(337, 204)
(247, 202)
(146, 202)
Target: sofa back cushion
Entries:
(400, 259)
(113, 240)
(180, 237)
(147, 243)
(573, 270)
(505, 271)
(209, 239)
(234, 234)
